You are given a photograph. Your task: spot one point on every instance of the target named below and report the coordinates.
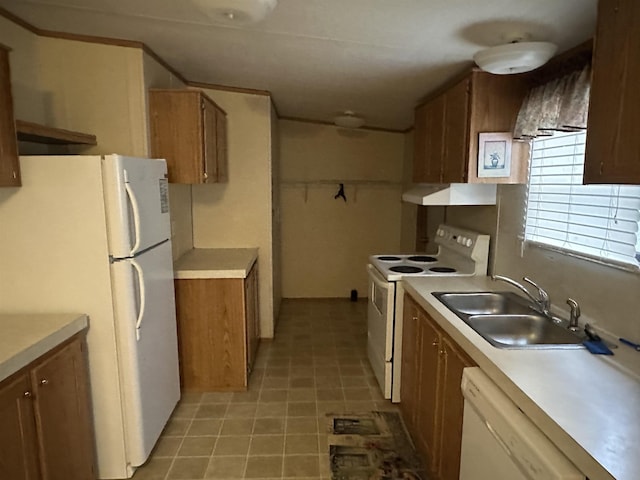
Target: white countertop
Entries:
(588, 405)
(25, 337)
(215, 263)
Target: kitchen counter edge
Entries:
(215, 263)
(577, 399)
(26, 337)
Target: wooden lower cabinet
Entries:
(432, 402)
(18, 442)
(409, 371)
(45, 416)
(218, 331)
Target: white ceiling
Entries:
(320, 57)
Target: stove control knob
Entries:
(469, 242)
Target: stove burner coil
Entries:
(443, 270)
(406, 269)
(389, 259)
(422, 258)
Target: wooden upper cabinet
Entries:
(613, 144)
(456, 133)
(428, 148)
(189, 130)
(9, 163)
(447, 127)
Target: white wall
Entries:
(326, 241)
(238, 213)
(86, 87)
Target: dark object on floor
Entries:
(355, 426)
(354, 295)
(387, 455)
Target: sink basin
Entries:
(507, 320)
(523, 331)
(485, 303)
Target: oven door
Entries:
(380, 319)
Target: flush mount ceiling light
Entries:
(516, 56)
(348, 119)
(236, 12)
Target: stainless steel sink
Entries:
(507, 320)
(485, 303)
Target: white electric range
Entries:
(460, 252)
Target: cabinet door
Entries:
(451, 410)
(177, 133)
(428, 138)
(221, 146)
(409, 369)
(613, 145)
(211, 334)
(9, 164)
(428, 385)
(210, 146)
(63, 416)
(456, 133)
(18, 445)
(251, 315)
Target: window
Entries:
(594, 221)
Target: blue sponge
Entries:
(597, 347)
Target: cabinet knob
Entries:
(205, 175)
(415, 319)
(27, 394)
(44, 381)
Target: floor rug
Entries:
(371, 446)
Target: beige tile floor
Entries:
(278, 429)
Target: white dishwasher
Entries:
(500, 442)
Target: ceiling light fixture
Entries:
(236, 12)
(517, 56)
(348, 119)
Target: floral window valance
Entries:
(559, 105)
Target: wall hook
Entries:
(340, 193)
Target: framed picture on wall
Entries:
(494, 154)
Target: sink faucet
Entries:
(542, 301)
(574, 315)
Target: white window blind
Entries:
(598, 221)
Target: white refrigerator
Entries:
(91, 234)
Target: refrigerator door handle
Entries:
(136, 216)
(138, 268)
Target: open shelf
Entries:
(36, 133)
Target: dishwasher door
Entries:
(500, 442)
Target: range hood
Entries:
(451, 194)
